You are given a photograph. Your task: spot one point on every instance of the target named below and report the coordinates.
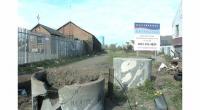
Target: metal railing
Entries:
(34, 47)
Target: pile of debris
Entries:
(174, 68)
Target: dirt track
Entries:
(98, 63)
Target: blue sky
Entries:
(113, 19)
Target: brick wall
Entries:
(76, 32)
(41, 30)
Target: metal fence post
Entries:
(110, 82)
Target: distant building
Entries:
(46, 32)
(166, 45)
(177, 31)
(71, 30)
(177, 43)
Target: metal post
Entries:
(110, 82)
(57, 46)
(26, 45)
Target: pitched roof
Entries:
(177, 41)
(50, 30)
(76, 26)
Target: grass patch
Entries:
(147, 90)
(32, 67)
(177, 99)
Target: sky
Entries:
(113, 19)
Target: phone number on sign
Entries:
(147, 44)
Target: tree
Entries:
(112, 47)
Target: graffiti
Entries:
(131, 72)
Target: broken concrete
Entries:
(87, 96)
(160, 103)
(38, 88)
(131, 72)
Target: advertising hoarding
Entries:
(147, 36)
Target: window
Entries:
(40, 40)
(40, 44)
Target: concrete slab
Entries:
(131, 72)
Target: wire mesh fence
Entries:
(34, 47)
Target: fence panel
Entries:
(34, 47)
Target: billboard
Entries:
(147, 36)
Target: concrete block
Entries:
(131, 72)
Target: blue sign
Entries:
(147, 28)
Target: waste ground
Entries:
(99, 65)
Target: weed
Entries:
(147, 90)
(177, 99)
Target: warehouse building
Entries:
(73, 31)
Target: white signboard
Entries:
(147, 37)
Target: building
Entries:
(50, 36)
(73, 31)
(177, 31)
(177, 43)
(39, 28)
(166, 45)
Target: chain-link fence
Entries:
(33, 47)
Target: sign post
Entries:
(147, 37)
